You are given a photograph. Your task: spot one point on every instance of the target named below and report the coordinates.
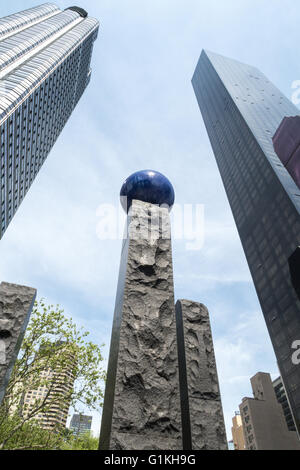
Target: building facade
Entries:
(53, 389)
(282, 399)
(80, 424)
(237, 423)
(242, 111)
(238, 432)
(286, 142)
(264, 423)
(45, 57)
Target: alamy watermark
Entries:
(296, 354)
(187, 221)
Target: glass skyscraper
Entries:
(242, 111)
(45, 56)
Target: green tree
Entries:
(57, 367)
(28, 436)
(84, 442)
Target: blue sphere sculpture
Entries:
(147, 186)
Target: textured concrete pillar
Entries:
(142, 401)
(202, 414)
(16, 304)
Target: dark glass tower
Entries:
(242, 110)
(45, 57)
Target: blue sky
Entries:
(140, 112)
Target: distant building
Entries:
(231, 445)
(264, 423)
(238, 433)
(80, 424)
(282, 399)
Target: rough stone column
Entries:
(142, 402)
(202, 414)
(16, 304)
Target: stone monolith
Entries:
(16, 304)
(142, 402)
(203, 425)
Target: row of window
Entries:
(16, 46)
(22, 19)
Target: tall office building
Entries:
(242, 111)
(45, 57)
(80, 424)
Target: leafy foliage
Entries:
(57, 367)
(83, 442)
(19, 435)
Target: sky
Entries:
(140, 112)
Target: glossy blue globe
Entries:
(147, 186)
